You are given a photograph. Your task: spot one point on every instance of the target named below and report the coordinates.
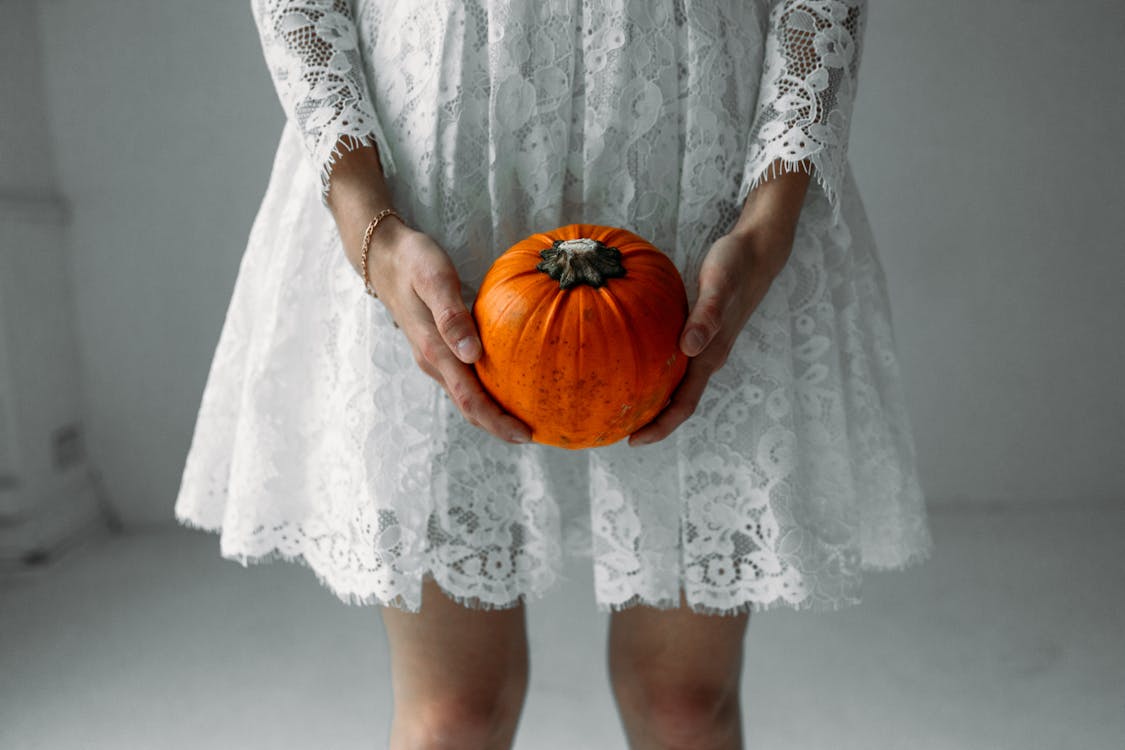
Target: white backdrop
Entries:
(986, 144)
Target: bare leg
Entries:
(676, 677)
(459, 675)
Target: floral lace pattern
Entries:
(318, 438)
(808, 88)
(310, 47)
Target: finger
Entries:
(426, 367)
(683, 404)
(440, 291)
(434, 373)
(459, 380)
(463, 386)
(704, 320)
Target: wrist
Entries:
(767, 246)
(392, 230)
(382, 235)
(353, 227)
(768, 222)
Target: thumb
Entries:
(442, 294)
(703, 322)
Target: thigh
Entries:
(675, 647)
(447, 648)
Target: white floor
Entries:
(1010, 637)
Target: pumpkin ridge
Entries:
(548, 320)
(513, 299)
(626, 317)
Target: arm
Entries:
(311, 49)
(800, 132)
(312, 52)
(418, 283)
(809, 77)
(735, 276)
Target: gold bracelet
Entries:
(367, 245)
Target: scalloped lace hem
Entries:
(352, 598)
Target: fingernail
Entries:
(468, 347)
(695, 340)
(635, 442)
(520, 437)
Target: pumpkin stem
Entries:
(581, 261)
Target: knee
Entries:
(687, 713)
(472, 718)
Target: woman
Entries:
(345, 428)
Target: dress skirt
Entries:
(319, 440)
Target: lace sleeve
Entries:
(812, 54)
(312, 52)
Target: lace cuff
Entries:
(312, 52)
(808, 86)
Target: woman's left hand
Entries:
(734, 278)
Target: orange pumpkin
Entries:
(580, 329)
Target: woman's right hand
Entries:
(418, 283)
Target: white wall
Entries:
(164, 125)
(46, 492)
(26, 163)
(986, 144)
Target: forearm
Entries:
(769, 216)
(358, 191)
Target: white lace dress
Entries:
(319, 440)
